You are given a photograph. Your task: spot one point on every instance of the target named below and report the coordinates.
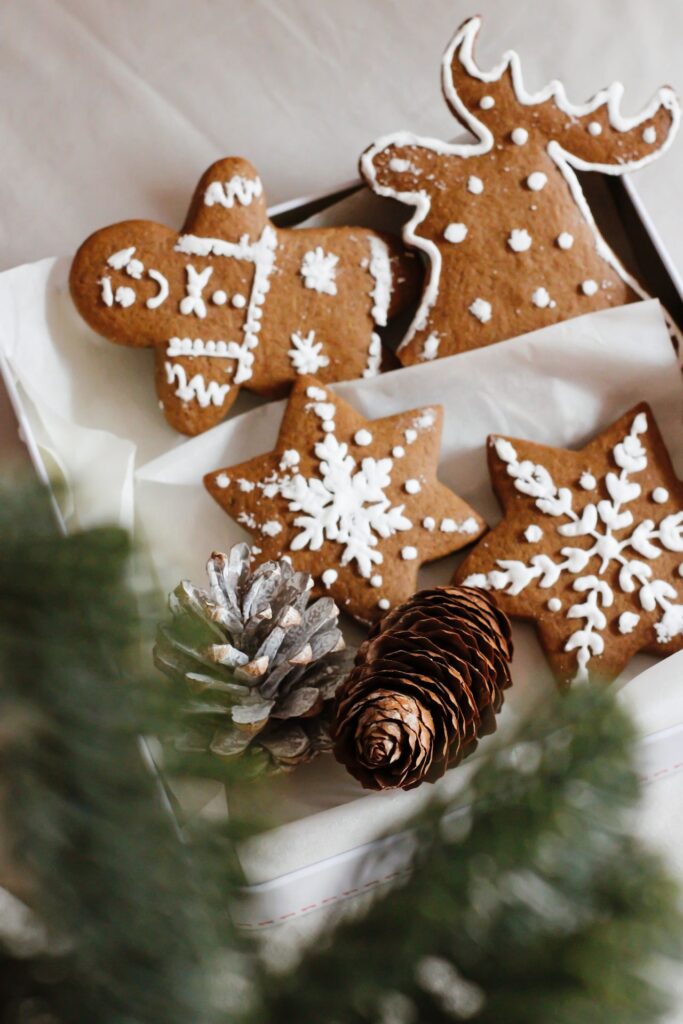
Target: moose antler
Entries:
(511, 241)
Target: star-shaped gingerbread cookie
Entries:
(232, 300)
(354, 502)
(590, 547)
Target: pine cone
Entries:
(426, 684)
(260, 666)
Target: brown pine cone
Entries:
(426, 684)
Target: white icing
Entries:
(519, 136)
(588, 481)
(589, 287)
(219, 297)
(412, 486)
(475, 185)
(317, 394)
(372, 367)
(537, 180)
(362, 438)
(398, 452)
(246, 486)
(271, 528)
(410, 435)
(649, 134)
(429, 523)
(306, 354)
(486, 102)
(519, 240)
(384, 604)
(196, 389)
(600, 522)
(380, 271)
(469, 525)
(425, 420)
(154, 301)
(224, 193)
(199, 347)
(430, 349)
(124, 296)
(594, 128)
(554, 604)
(106, 290)
(329, 577)
(376, 580)
(540, 298)
(481, 310)
(222, 480)
(409, 553)
(660, 495)
(411, 194)
(455, 232)
(533, 533)
(402, 166)
(135, 269)
(290, 458)
(628, 622)
(118, 260)
(565, 240)
(196, 282)
(238, 301)
(319, 271)
(262, 254)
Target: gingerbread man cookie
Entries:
(590, 547)
(233, 300)
(510, 239)
(355, 503)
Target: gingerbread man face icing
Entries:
(233, 301)
(355, 503)
(509, 236)
(591, 546)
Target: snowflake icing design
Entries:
(599, 521)
(346, 504)
(306, 354)
(319, 271)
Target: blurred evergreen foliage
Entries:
(535, 904)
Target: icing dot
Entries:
(316, 393)
(271, 528)
(448, 526)
(135, 269)
(628, 622)
(680, 569)
(475, 185)
(219, 297)
(533, 533)
(376, 581)
(222, 480)
(565, 240)
(541, 299)
(362, 438)
(519, 240)
(398, 452)
(124, 296)
(486, 102)
(481, 309)
(588, 481)
(384, 604)
(290, 458)
(595, 128)
(554, 604)
(649, 135)
(329, 577)
(412, 487)
(536, 181)
(238, 301)
(409, 553)
(328, 426)
(410, 435)
(660, 495)
(519, 136)
(246, 486)
(430, 523)
(455, 233)
(589, 287)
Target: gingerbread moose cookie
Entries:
(509, 236)
(233, 300)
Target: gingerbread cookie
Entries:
(590, 547)
(354, 502)
(233, 300)
(510, 239)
